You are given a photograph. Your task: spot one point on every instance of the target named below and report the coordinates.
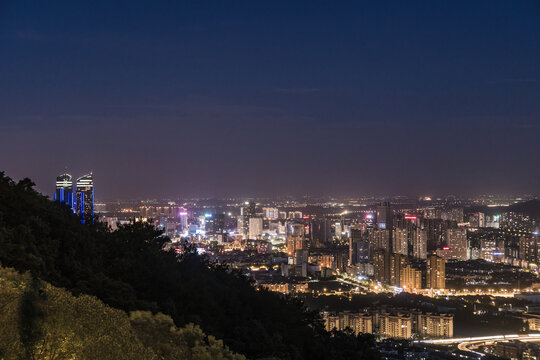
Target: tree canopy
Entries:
(128, 270)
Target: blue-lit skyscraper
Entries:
(85, 198)
(64, 190)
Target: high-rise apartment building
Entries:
(435, 272)
(385, 220)
(359, 247)
(457, 245)
(419, 244)
(433, 325)
(411, 278)
(379, 239)
(400, 237)
(247, 212)
(529, 248)
(64, 190)
(295, 238)
(387, 267)
(320, 232)
(395, 325)
(359, 323)
(255, 227)
(85, 198)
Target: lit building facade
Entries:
(295, 238)
(85, 198)
(64, 190)
(435, 272)
(359, 323)
(433, 325)
(400, 237)
(411, 278)
(395, 325)
(255, 227)
(247, 212)
(457, 245)
(419, 244)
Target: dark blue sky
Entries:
(279, 97)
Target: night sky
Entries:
(233, 98)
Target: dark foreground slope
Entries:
(40, 321)
(128, 270)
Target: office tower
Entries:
(320, 232)
(457, 245)
(435, 272)
(85, 198)
(255, 227)
(64, 190)
(295, 238)
(385, 216)
(411, 278)
(247, 212)
(419, 244)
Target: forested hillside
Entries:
(128, 270)
(40, 321)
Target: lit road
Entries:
(467, 344)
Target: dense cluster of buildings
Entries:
(291, 247)
(392, 323)
(405, 247)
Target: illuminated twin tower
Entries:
(82, 201)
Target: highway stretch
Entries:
(465, 344)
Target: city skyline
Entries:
(177, 99)
(280, 180)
